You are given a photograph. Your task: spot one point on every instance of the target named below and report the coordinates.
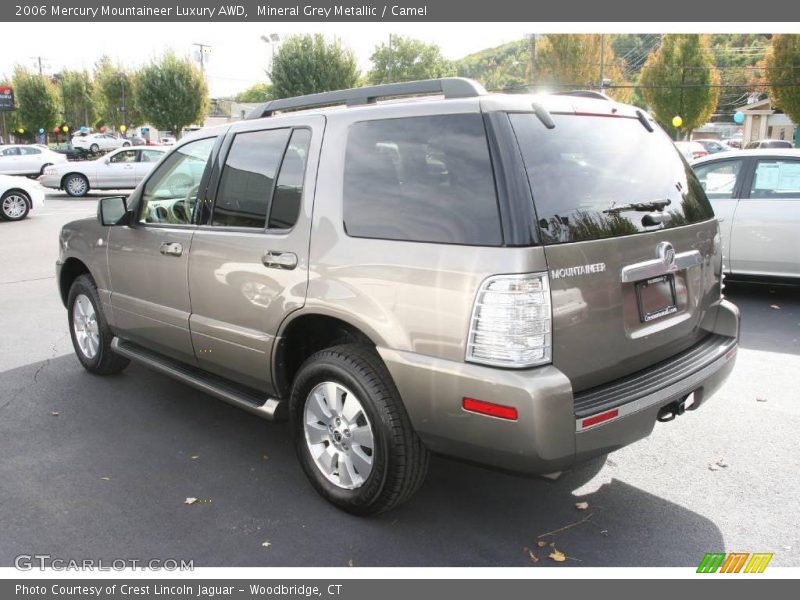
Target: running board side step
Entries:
(265, 407)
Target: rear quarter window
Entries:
(422, 179)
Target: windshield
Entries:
(597, 176)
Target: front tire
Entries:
(94, 148)
(14, 205)
(353, 437)
(91, 336)
(76, 185)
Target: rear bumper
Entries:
(548, 436)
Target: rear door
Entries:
(10, 160)
(629, 237)
(248, 267)
(765, 238)
(118, 170)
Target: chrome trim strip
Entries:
(656, 267)
(265, 411)
(677, 389)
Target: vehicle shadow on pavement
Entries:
(102, 467)
(770, 315)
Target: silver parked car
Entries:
(27, 159)
(119, 170)
(525, 282)
(756, 195)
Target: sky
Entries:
(238, 58)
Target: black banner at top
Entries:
(730, 11)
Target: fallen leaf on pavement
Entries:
(581, 505)
(104, 478)
(558, 556)
(721, 463)
(190, 501)
(350, 563)
(775, 306)
(541, 543)
(713, 467)
(760, 399)
(533, 557)
(265, 457)
(267, 544)
(195, 457)
(55, 413)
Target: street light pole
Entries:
(272, 39)
(202, 53)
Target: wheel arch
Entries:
(84, 175)
(70, 271)
(26, 194)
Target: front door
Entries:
(248, 267)
(148, 262)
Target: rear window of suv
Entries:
(598, 176)
(422, 179)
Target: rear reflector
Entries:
(491, 409)
(601, 418)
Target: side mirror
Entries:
(112, 211)
(107, 160)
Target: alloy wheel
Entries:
(14, 206)
(84, 324)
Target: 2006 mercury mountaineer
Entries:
(525, 282)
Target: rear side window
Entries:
(719, 178)
(422, 179)
(597, 177)
(776, 179)
(289, 190)
(248, 178)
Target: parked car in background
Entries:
(756, 196)
(167, 140)
(759, 144)
(119, 170)
(714, 146)
(70, 151)
(19, 196)
(27, 159)
(135, 140)
(691, 150)
(97, 142)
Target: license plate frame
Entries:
(650, 308)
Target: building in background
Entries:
(762, 121)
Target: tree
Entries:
(79, 101)
(260, 92)
(783, 74)
(172, 93)
(502, 68)
(680, 80)
(573, 61)
(115, 87)
(407, 59)
(37, 101)
(306, 64)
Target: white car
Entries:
(19, 196)
(691, 150)
(167, 140)
(97, 142)
(27, 159)
(118, 170)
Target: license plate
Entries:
(656, 298)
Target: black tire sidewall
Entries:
(333, 368)
(83, 285)
(27, 205)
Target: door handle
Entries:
(171, 249)
(275, 259)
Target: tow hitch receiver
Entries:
(675, 409)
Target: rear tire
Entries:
(76, 185)
(14, 205)
(94, 148)
(360, 480)
(91, 336)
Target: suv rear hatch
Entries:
(629, 236)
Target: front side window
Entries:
(776, 179)
(171, 192)
(10, 152)
(126, 156)
(423, 179)
(248, 178)
(151, 156)
(719, 178)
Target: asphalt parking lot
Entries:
(96, 467)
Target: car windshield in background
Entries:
(595, 177)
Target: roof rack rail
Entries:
(450, 87)
(585, 94)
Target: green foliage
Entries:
(306, 64)
(782, 68)
(407, 59)
(680, 79)
(502, 68)
(37, 101)
(172, 93)
(260, 92)
(79, 100)
(116, 101)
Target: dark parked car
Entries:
(714, 146)
(762, 144)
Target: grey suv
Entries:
(522, 282)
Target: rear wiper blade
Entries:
(639, 206)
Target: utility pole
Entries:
(39, 60)
(532, 39)
(202, 53)
(602, 60)
(391, 60)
